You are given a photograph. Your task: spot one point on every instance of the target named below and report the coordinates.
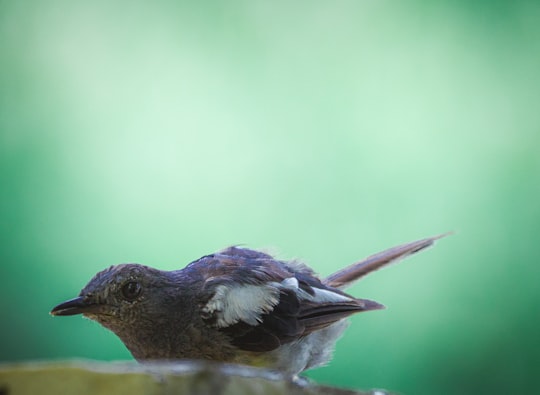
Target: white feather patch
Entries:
(324, 295)
(242, 303)
(319, 296)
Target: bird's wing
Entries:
(262, 303)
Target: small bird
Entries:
(237, 305)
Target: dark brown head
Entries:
(136, 302)
(113, 292)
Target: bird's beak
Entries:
(78, 305)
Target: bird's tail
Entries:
(346, 276)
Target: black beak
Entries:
(74, 306)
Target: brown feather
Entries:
(345, 277)
(317, 316)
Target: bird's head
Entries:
(147, 308)
(119, 296)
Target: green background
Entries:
(157, 132)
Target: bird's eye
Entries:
(131, 290)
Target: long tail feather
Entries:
(345, 277)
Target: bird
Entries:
(237, 305)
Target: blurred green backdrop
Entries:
(156, 132)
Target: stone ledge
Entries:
(183, 377)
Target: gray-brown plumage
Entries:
(237, 305)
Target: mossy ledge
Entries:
(184, 377)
